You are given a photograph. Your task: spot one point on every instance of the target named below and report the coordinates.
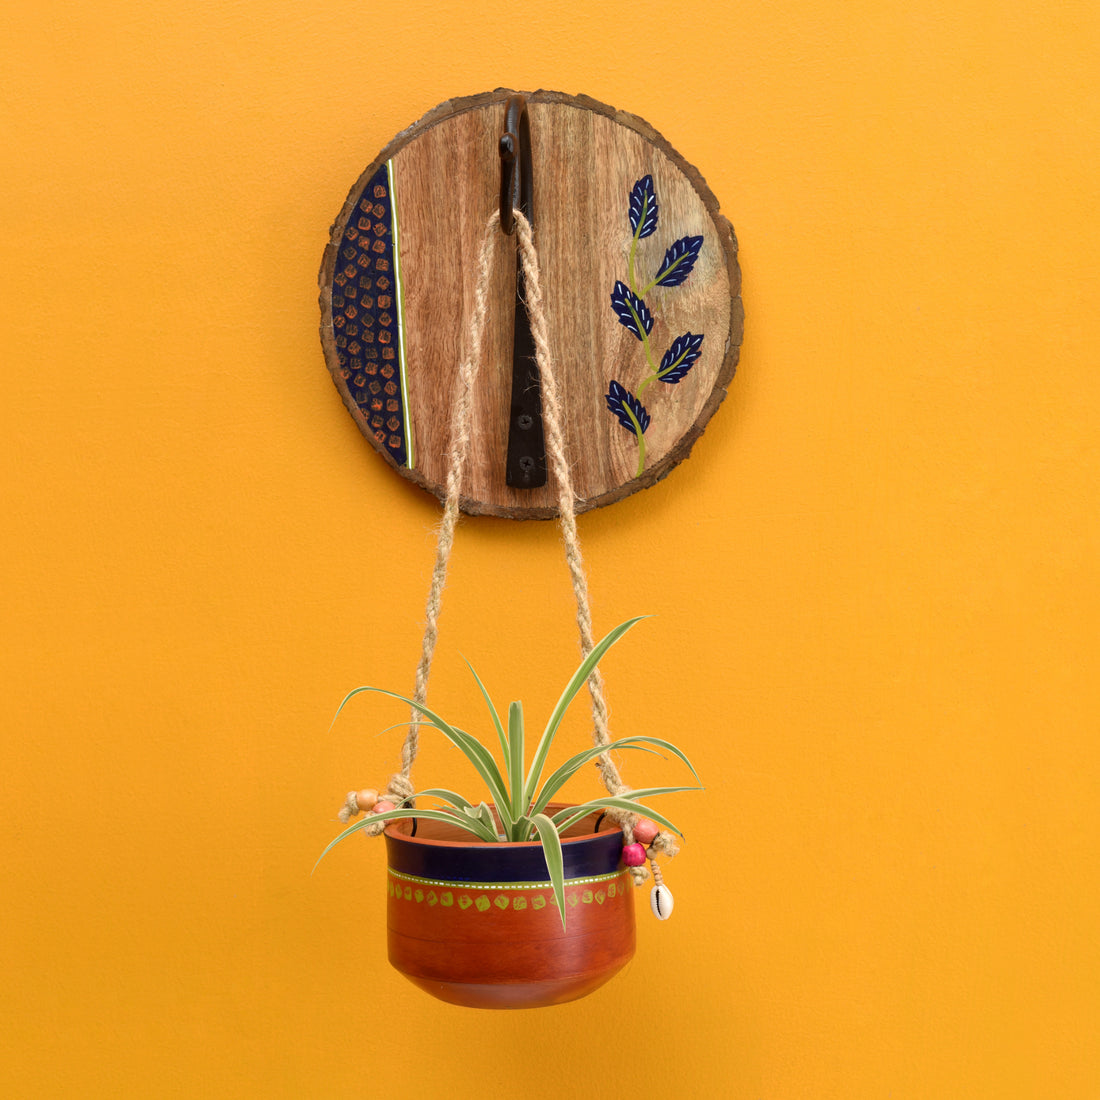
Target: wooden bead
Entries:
(382, 806)
(366, 798)
(645, 831)
(633, 855)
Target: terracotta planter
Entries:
(477, 924)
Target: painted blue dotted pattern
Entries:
(365, 316)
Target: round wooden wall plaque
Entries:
(639, 275)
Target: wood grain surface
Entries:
(587, 158)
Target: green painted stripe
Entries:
(501, 885)
(410, 459)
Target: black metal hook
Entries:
(526, 463)
(516, 180)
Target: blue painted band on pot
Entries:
(458, 861)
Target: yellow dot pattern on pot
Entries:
(476, 898)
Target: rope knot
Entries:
(665, 844)
(400, 789)
(349, 809)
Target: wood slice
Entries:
(400, 272)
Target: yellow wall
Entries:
(875, 582)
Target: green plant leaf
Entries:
(649, 792)
(579, 677)
(472, 749)
(395, 726)
(515, 760)
(453, 797)
(470, 826)
(575, 763)
(485, 816)
(497, 725)
(572, 814)
(551, 851)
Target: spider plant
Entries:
(519, 792)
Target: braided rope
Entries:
(399, 787)
(555, 445)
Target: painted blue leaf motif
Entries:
(678, 261)
(643, 207)
(631, 310)
(680, 357)
(623, 403)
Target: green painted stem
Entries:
(657, 374)
(645, 337)
(641, 440)
(660, 275)
(630, 265)
(634, 248)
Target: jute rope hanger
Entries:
(399, 787)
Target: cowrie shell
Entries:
(661, 902)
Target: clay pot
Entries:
(476, 924)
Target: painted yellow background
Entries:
(876, 582)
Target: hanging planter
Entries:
(523, 902)
(520, 901)
(477, 924)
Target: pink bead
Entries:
(633, 855)
(382, 806)
(645, 831)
